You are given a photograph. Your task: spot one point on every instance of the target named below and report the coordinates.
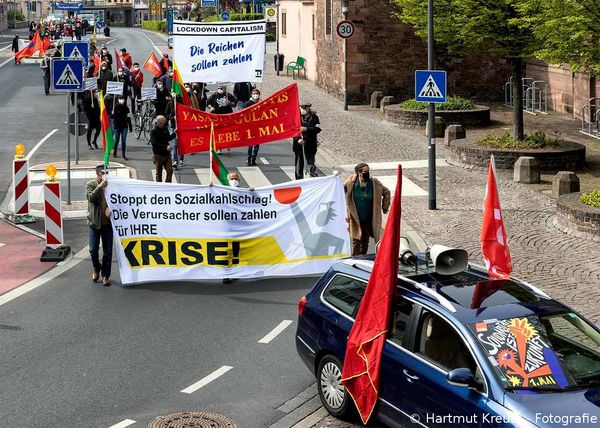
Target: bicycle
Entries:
(148, 121)
(138, 119)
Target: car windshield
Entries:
(548, 352)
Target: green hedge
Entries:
(538, 140)
(19, 15)
(592, 198)
(237, 17)
(452, 103)
(160, 26)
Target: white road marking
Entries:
(408, 187)
(208, 379)
(153, 45)
(203, 175)
(290, 171)
(123, 424)
(7, 61)
(6, 47)
(60, 268)
(276, 331)
(254, 176)
(413, 164)
(264, 160)
(42, 141)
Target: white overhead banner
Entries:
(212, 52)
(167, 232)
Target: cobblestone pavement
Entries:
(566, 267)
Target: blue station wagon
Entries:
(461, 350)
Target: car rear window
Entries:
(345, 293)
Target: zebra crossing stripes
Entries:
(203, 175)
(290, 171)
(408, 187)
(254, 176)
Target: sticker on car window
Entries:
(523, 358)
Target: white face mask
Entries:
(234, 183)
(121, 101)
(303, 111)
(221, 91)
(255, 97)
(159, 86)
(136, 68)
(170, 74)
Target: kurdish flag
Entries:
(217, 166)
(177, 86)
(108, 141)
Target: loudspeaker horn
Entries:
(407, 257)
(448, 261)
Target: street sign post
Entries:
(225, 16)
(430, 86)
(76, 50)
(67, 75)
(345, 29)
(208, 3)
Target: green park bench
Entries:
(296, 66)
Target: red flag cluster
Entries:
(37, 44)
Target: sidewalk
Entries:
(565, 267)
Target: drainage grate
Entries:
(192, 419)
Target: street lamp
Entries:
(431, 186)
(345, 9)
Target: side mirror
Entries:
(461, 377)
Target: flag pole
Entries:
(210, 171)
(177, 140)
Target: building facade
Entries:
(119, 13)
(297, 33)
(4, 15)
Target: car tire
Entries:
(332, 393)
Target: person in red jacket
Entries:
(126, 57)
(137, 79)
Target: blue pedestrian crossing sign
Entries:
(430, 86)
(76, 50)
(67, 74)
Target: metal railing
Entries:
(535, 95)
(590, 118)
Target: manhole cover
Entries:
(192, 419)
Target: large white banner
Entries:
(215, 52)
(167, 231)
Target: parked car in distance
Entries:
(462, 350)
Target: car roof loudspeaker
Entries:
(407, 257)
(448, 261)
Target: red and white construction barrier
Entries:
(53, 214)
(21, 186)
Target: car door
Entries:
(390, 390)
(428, 397)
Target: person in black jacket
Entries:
(15, 46)
(161, 149)
(162, 99)
(121, 123)
(241, 91)
(91, 106)
(105, 56)
(104, 75)
(305, 146)
(171, 123)
(253, 150)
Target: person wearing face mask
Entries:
(161, 149)
(137, 80)
(121, 123)
(91, 106)
(366, 199)
(241, 91)
(104, 75)
(221, 102)
(124, 78)
(167, 79)
(45, 66)
(253, 150)
(162, 99)
(305, 146)
(106, 57)
(170, 115)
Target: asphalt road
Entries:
(76, 354)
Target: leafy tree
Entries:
(500, 27)
(570, 30)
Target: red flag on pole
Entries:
(153, 65)
(360, 374)
(493, 234)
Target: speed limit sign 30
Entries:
(345, 29)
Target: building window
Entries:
(283, 23)
(328, 15)
(314, 36)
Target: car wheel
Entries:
(331, 390)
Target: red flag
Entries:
(121, 64)
(360, 374)
(493, 235)
(97, 62)
(153, 65)
(34, 46)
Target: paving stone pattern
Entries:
(566, 267)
